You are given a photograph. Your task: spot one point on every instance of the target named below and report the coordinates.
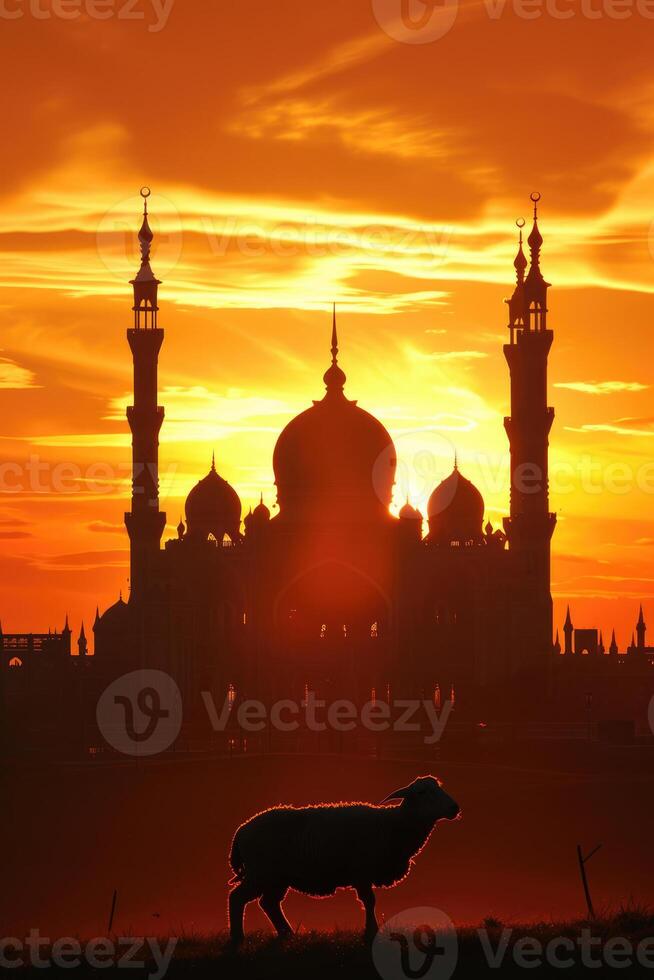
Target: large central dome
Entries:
(334, 462)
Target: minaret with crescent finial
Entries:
(531, 524)
(145, 522)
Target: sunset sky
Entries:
(300, 153)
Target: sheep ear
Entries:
(399, 794)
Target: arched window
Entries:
(15, 662)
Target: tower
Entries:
(641, 629)
(145, 522)
(530, 525)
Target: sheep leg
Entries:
(270, 902)
(238, 899)
(367, 898)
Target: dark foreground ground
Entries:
(158, 834)
(622, 942)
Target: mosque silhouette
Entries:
(334, 594)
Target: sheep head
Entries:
(425, 794)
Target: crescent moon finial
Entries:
(535, 197)
(520, 223)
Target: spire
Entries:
(97, 617)
(145, 284)
(520, 261)
(145, 241)
(535, 239)
(213, 461)
(568, 630)
(613, 648)
(66, 628)
(518, 316)
(456, 460)
(334, 376)
(535, 291)
(641, 629)
(82, 644)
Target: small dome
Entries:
(116, 617)
(261, 514)
(455, 511)
(409, 513)
(213, 507)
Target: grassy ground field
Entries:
(622, 941)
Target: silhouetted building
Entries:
(334, 594)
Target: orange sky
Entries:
(298, 153)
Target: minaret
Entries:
(641, 630)
(613, 648)
(531, 524)
(568, 632)
(145, 522)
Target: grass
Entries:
(342, 955)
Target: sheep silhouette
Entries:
(317, 849)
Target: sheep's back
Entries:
(317, 849)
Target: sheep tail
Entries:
(236, 862)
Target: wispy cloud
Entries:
(14, 376)
(620, 427)
(601, 387)
(452, 355)
(105, 527)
